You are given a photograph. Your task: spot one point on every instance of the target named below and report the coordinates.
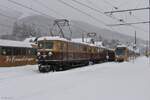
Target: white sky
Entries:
(102, 5)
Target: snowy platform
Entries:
(107, 81)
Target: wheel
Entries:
(44, 68)
(91, 63)
(48, 68)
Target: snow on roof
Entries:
(75, 40)
(52, 38)
(31, 39)
(12, 43)
(121, 45)
(130, 48)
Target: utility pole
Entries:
(149, 34)
(135, 46)
(135, 40)
(146, 22)
(82, 37)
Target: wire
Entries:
(4, 25)
(85, 13)
(145, 22)
(24, 6)
(1, 14)
(77, 9)
(123, 3)
(105, 1)
(92, 4)
(107, 15)
(61, 15)
(47, 7)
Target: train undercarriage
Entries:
(57, 65)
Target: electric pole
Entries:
(149, 35)
(135, 40)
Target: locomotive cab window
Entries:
(45, 44)
(120, 51)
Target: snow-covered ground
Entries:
(107, 81)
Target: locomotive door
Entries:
(64, 53)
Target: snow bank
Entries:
(106, 81)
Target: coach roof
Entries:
(12, 43)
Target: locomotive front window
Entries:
(48, 44)
(45, 44)
(120, 51)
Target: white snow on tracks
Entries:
(106, 81)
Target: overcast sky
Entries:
(56, 9)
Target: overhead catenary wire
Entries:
(77, 9)
(85, 14)
(24, 6)
(9, 17)
(7, 26)
(58, 13)
(146, 22)
(44, 13)
(47, 7)
(105, 1)
(126, 10)
(30, 8)
(97, 10)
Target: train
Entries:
(55, 53)
(124, 53)
(16, 53)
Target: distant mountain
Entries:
(7, 19)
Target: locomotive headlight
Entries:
(50, 53)
(38, 54)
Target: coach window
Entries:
(15, 51)
(23, 51)
(6, 51)
(28, 51)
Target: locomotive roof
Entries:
(12, 43)
(51, 38)
(121, 46)
(129, 47)
(63, 39)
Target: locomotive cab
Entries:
(121, 54)
(45, 55)
(51, 53)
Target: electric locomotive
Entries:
(55, 53)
